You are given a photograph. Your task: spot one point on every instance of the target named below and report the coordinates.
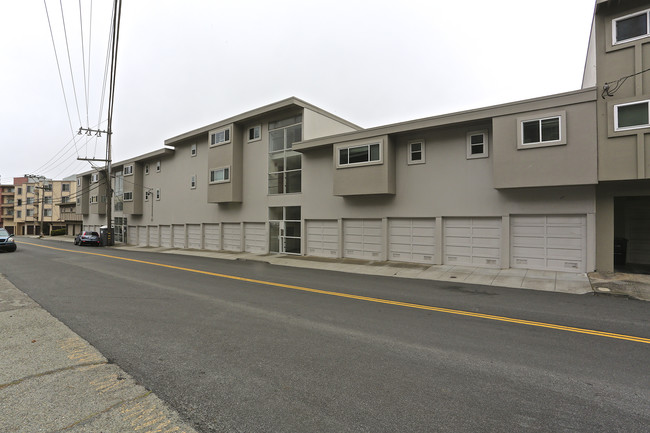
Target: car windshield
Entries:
(94, 234)
(4, 232)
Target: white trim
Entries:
(193, 181)
(561, 140)
(146, 169)
(130, 197)
(158, 166)
(635, 38)
(157, 193)
(259, 133)
(627, 128)
(483, 154)
(128, 170)
(225, 170)
(380, 159)
(409, 152)
(193, 150)
(213, 136)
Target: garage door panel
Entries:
(486, 252)
(231, 236)
(178, 235)
(528, 230)
(529, 252)
(362, 239)
(529, 241)
(212, 237)
(142, 236)
(472, 241)
(563, 253)
(255, 238)
(194, 236)
(165, 236)
(153, 237)
(565, 219)
(457, 231)
(486, 242)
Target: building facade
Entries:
(547, 183)
(39, 205)
(7, 193)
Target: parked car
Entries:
(7, 241)
(87, 238)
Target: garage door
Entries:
(194, 236)
(362, 239)
(178, 233)
(132, 235)
(231, 236)
(322, 238)
(153, 236)
(142, 236)
(472, 242)
(166, 236)
(255, 238)
(549, 242)
(212, 237)
(411, 239)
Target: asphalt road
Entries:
(234, 355)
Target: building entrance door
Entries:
(285, 229)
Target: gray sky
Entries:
(186, 64)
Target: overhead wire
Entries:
(609, 90)
(67, 45)
(83, 61)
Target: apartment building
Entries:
(547, 183)
(38, 204)
(7, 193)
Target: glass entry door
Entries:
(284, 229)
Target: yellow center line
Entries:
(376, 300)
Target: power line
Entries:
(608, 90)
(74, 87)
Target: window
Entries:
(193, 150)
(20, 190)
(20, 202)
(285, 164)
(157, 166)
(541, 131)
(30, 200)
(65, 199)
(633, 115)
(65, 187)
(128, 170)
(146, 169)
(364, 154)
(416, 152)
(47, 200)
(19, 214)
(47, 212)
(78, 181)
(220, 175)
(158, 194)
(255, 133)
(94, 177)
(477, 144)
(30, 189)
(128, 196)
(29, 212)
(221, 136)
(94, 199)
(193, 182)
(631, 27)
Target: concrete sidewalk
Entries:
(51, 380)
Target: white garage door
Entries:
(362, 239)
(411, 240)
(231, 236)
(212, 237)
(178, 233)
(142, 236)
(153, 236)
(132, 235)
(166, 236)
(255, 238)
(322, 238)
(549, 242)
(194, 236)
(472, 242)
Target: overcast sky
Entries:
(185, 64)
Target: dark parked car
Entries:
(7, 241)
(87, 238)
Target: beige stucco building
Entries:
(546, 183)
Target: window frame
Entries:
(193, 181)
(158, 194)
(94, 199)
(486, 139)
(130, 196)
(256, 128)
(629, 128)
(409, 154)
(347, 147)
(146, 169)
(94, 178)
(128, 170)
(645, 12)
(225, 169)
(158, 166)
(227, 130)
(562, 126)
(193, 150)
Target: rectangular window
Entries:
(128, 170)
(285, 164)
(146, 169)
(78, 181)
(47, 200)
(631, 27)
(128, 196)
(364, 154)
(541, 130)
(221, 136)
(633, 115)
(94, 199)
(477, 144)
(193, 182)
(220, 175)
(65, 187)
(416, 152)
(94, 177)
(30, 200)
(193, 150)
(20, 191)
(30, 189)
(65, 199)
(20, 202)
(158, 194)
(47, 212)
(255, 133)
(158, 167)
(19, 214)
(29, 212)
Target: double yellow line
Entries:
(375, 300)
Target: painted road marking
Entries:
(375, 300)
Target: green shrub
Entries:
(58, 232)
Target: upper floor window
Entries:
(128, 196)
(47, 200)
(128, 170)
(193, 150)
(30, 189)
(632, 115)
(541, 131)
(285, 164)
(477, 145)
(631, 27)
(78, 181)
(94, 177)
(47, 212)
(158, 194)
(363, 154)
(220, 136)
(94, 199)
(65, 199)
(65, 187)
(255, 133)
(146, 169)
(30, 200)
(30, 212)
(416, 152)
(220, 175)
(157, 166)
(20, 191)
(193, 182)
(19, 214)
